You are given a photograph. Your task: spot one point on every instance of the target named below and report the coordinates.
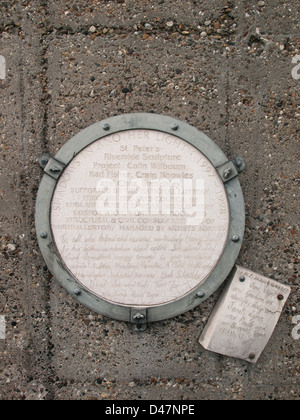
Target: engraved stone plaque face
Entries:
(245, 316)
(140, 218)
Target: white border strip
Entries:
(2, 327)
(2, 67)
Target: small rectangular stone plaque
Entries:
(245, 316)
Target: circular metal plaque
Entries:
(140, 215)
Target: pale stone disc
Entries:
(152, 255)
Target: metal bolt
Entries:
(106, 127)
(139, 316)
(252, 356)
(55, 169)
(280, 297)
(44, 235)
(175, 126)
(227, 173)
(242, 279)
(77, 292)
(44, 161)
(239, 162)
(235, 238)
(139, 327)
(201, 294)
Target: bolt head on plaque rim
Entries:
(199, 148)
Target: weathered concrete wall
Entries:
(223, 66)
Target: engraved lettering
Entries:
(132, 217)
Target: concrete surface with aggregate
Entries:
(226, 67)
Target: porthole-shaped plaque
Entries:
(140, 217)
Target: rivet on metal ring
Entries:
(235, 238)
(77, 292)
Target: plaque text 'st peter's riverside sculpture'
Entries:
(140, 217)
